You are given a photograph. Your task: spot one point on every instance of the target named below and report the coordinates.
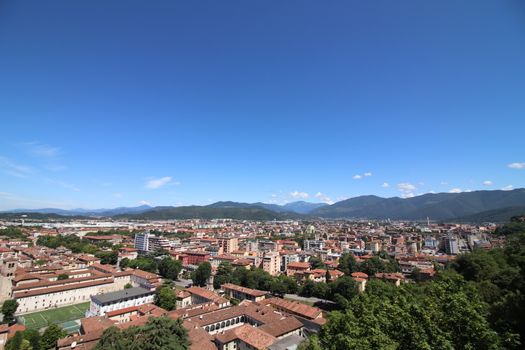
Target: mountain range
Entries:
(475, 206)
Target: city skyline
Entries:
(176, 104)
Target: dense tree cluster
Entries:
(254, 278)
(103, 250)
(13, 233)
(476, 303)
(349, 265)
(157, 262)
(31, 339)
(159, 333)
(445, 314)
(499, 277)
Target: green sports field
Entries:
(59, 316)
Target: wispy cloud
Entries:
(154, 184)
(367, 174)
(508, 188)
(516, 165)
(487, 183)
(455, 190)
(407, 189)
(298, 194)
(143, 202)
(385, 185)
(39, 149)
(14, 169)
(357, 177)
(324, 198)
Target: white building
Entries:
(147, 242)
(103, 303)
(313, 244)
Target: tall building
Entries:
(451, 245)
(272, 263)
(228, 245)
(142, 242)
(147, 242)
(313, 244)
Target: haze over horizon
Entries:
(105, 105)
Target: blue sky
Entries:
(109, 103)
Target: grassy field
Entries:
(61, 315)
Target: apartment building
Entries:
(271, 263)
(228, 244)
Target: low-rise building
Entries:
(242, 293)
(122, 299)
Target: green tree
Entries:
(8, 310)
(348, 264)
(49, 338)
(328, 276)
(159, 333)
(62, 276)
(128, 286)
(124, 262)
(202, 274)
(15, 343)
(223, 275)
(107, 257)
(169, 268)
(33, 337)
(308, 288)
(165, 298)
(316, 263)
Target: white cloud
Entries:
(455, 190)
(516, 165)
(324, 198)
(487, 183)
(118, 195)
(143, 202)
(367, 174)
(385, 185)
(405, 186)
(508, 188)
(274, 195)
(158, 183)
(357, 177)
(11, 168)
(407, 189)
(444, 183)
(41, 150)
(297, 194)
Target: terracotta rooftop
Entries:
(244, 290)
(298, 265)
(249, 335)
(294, 307)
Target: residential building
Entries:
(271, 263)
(243, 293)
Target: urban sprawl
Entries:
(233, 284)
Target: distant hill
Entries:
(38, 216)
(84, 212)
(476, 206)
(438, 206)
(496, 216)
(211, 212)
(303, 207)
(300, 207)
